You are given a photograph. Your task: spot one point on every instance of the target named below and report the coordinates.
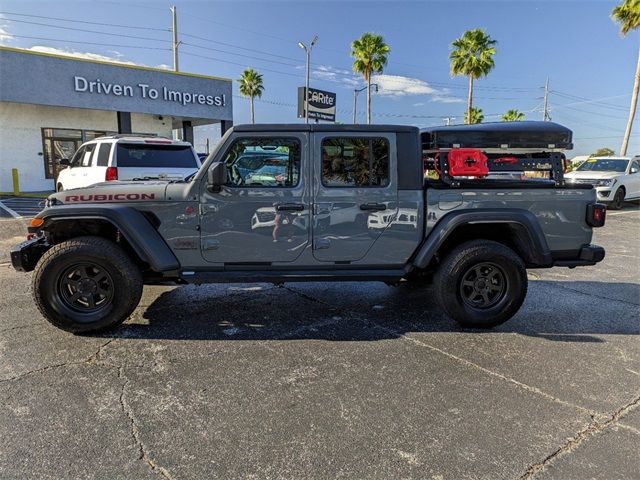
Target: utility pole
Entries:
(545, 112)
(175, 43)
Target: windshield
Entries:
(604, 165)
(156, 156)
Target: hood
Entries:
(114, 192)
(593, 175)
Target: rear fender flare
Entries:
(523, 220)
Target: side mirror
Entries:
(64, 162)
(216, 176)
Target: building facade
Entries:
(50, 105)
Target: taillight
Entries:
(596, 215)
(112, 174)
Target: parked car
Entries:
(93, 249)
(127, 157)
(615, 179)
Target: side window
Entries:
(635, 167)
(104, 151)
(263, 162)
(88, 152)
(355, 162)
(77, 157)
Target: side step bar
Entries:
(282, 276)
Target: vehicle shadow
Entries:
(578, 311)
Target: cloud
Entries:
(336, 75)
(164, 66)
(418, 104)
(86, 55)
(5, 36)
(400, 86)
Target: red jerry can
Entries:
(467, 162)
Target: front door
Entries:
(55, 149)
(355, 193)
(261, 215)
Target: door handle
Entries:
(374, 207)
(289, 207)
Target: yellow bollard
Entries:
(16, 182)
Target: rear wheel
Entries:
(86, 284)
(481, 284)
(618, 199)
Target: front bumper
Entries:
(604, 194)
(25, 255)
(588, 255)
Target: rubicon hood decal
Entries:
(111, 197)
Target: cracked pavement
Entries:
(332, 380)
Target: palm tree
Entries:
(370, 54)
(472, 55)
(513, 115)
(627, 14)
(251, 86)
(473, 116)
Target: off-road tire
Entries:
(459, 267)
(618, 199)
(54, 296)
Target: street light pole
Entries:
(306, 87)
(355, 100)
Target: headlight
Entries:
(605, 183)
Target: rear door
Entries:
(100, 163)
(152, 160)
(355, 184)
(261, 215)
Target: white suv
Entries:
(127, 157)
(616, 179)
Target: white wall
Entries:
(21, 137)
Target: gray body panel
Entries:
(233, 229)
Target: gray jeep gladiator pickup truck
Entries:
(291, 203)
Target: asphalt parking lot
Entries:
(332, 380)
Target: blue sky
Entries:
(575, 43)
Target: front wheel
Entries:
(618, 200)
(481, 284)
(86, 284)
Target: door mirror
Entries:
(64, 162)
(216, 176)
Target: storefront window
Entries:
(58, 143)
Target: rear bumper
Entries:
(25, 255)
(588, 255)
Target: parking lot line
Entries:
(11, 212)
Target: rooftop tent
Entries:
(511, 135)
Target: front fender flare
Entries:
(540, 255)
(132, 224)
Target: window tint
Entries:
(263, 162)
(355, 162)
(163, 156)
(635, 167)
(104, 149)
(86, 156)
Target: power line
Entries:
(85, 22)
(88, 31)
(90, 43)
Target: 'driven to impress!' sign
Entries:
(68, 82)
(322, 105)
